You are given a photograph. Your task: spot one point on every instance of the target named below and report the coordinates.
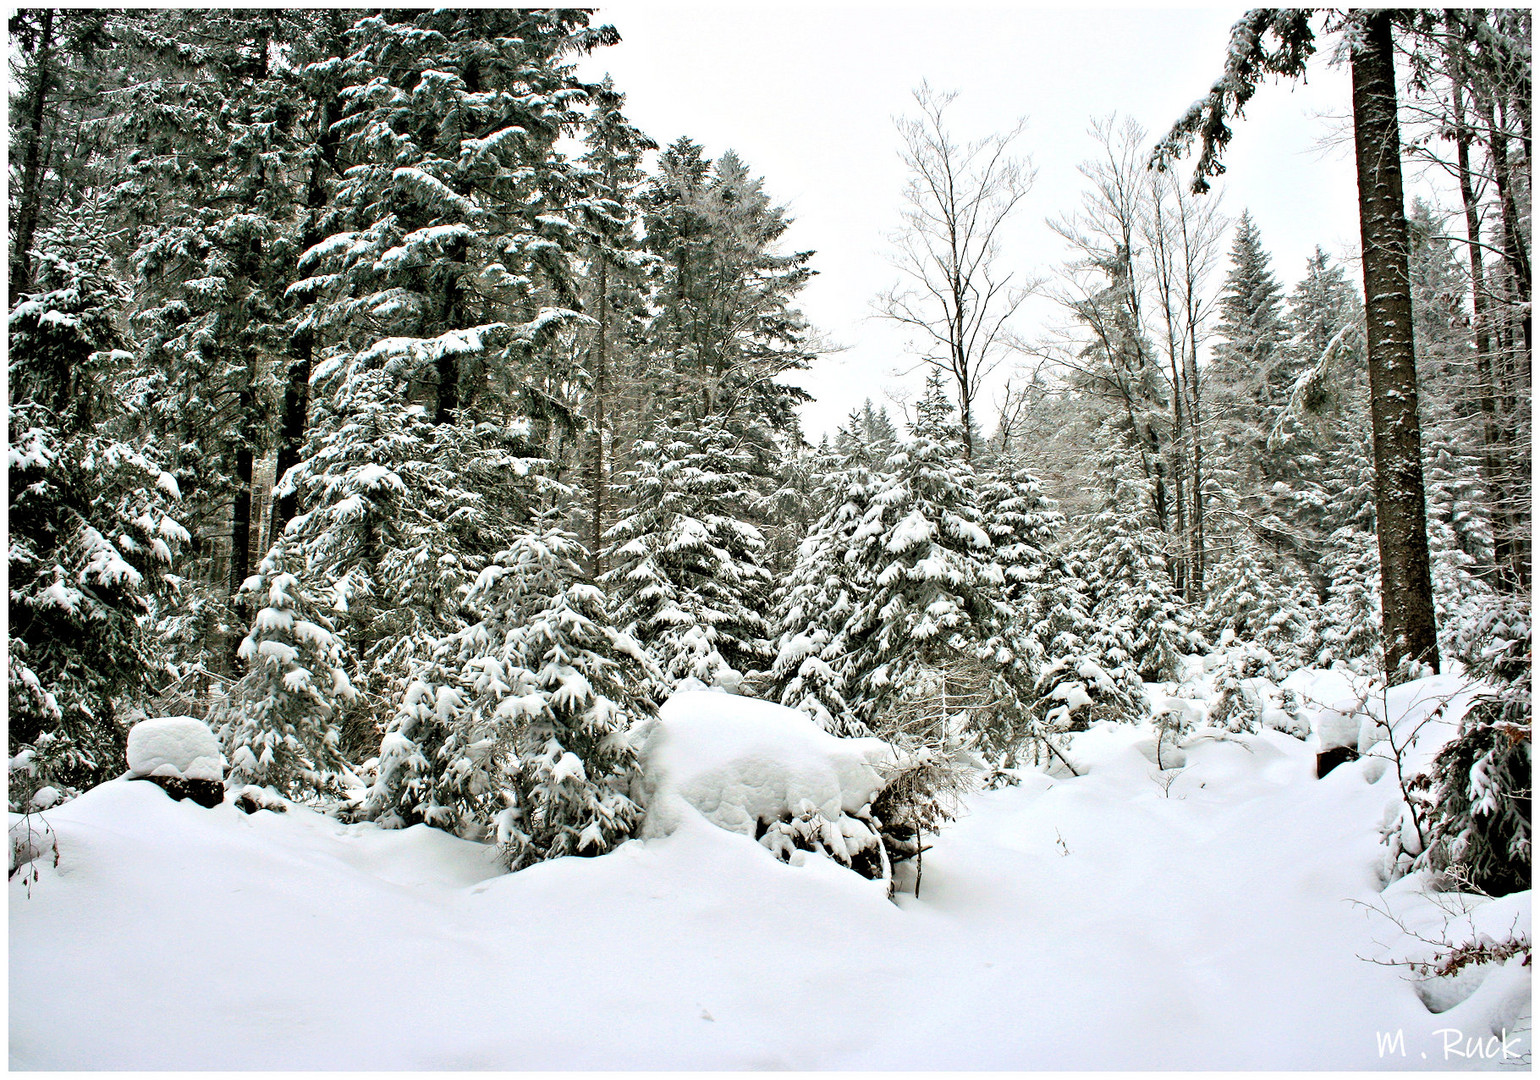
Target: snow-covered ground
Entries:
(1218, 915)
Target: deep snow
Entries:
(1225, 919)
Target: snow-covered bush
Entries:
(281, 723)
(1481, 783)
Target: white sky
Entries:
(806, 94)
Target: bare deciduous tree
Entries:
(954, 293)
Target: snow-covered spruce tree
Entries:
(814, 607)
(281, 724)
(1348, 621)
(92, 535)
(1142, 625)
(1273, 607)
(685, 573)
(923, 637)
(726, 323)
(614, 291)
(212, 151)
(400, 515)
(440, 296)
(516, 725)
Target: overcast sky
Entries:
(806, 94)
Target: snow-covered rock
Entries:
(174, 746)
(738, 762)
(1333, 700)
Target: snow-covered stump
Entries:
(181, 755)
(1338, 733)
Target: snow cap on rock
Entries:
(738, 761)
(179, 746)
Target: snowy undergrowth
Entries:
(1227, 913)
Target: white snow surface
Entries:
(1228, 920)
(174, 746)
(738, 761)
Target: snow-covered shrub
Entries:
(921, 792)
(1239, 706)
(281, 723)
(1076, 691)
(1481, 783)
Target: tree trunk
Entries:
(1401, 515)
(1195, 426)
(601, 392)
(30, 204)
(1494, 471)
(291, 431)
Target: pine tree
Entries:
(686, 569)
(1142, 626)
(443, 297)
(820, 596)
(92, 537)
(614, 294)
(281, 723)
(727, 324)
(921, 638)
(1271, 607)
(516, 726)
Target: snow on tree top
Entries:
(174, 746)
(738, 761)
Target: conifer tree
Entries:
(1141, 624)
(442, 297)
(515, 727)
(92, 536)
(727, 323)
(281, 724)
(686, 569)
(921, 636)
(815, 606)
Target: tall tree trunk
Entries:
(30, 205)
(597, 490)
(1406, 583)
(296, 394)
(1494, 470)
(291, 430)
(1195, 426)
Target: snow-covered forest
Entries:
(407, 478)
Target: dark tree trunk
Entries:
(296, 394)
(1406, 584)
(601, 393)
(1494, 469)
(291, 431)
(30, 205)
(240, 524)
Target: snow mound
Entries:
(739, 762)
(178, 746)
